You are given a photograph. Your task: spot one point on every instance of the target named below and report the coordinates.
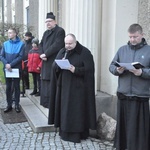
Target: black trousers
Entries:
(133, 123)
(12, 85)
(36, 81)
(25, 78)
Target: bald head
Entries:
(70, 41)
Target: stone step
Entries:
(36, 115)
(36, 101)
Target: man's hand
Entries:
(43, 57)
(38, 68)
(72, 68)
(120, 70)
(8, 67)
(136, 72)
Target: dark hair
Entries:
(29, 34)
(36, 41)
(134, 28)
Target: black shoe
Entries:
(34, 92)
(22, 92)
(17, 109)
(37, 94)
(7, 109)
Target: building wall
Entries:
(18, 12)
(25, 6)
(144, 17)
(117, 16)
(34, 17)
(9, 12)
(1, 11)
(100, 25)
(45, 7)
(83, 18)
(19, 16)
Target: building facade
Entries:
(100, 25)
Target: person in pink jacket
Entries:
(34, 66)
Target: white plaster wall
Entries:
(117, 16)
(13, 11)
(82, 18)
(103, 29)
(25, 5)
(42, 17)
(45, 6)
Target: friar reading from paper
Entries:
(72, 93)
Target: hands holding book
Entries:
(136, 72)
(129, 66)
(134, 67)
(120, 70)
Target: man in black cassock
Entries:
(52, 41)
(72, 92)
(133, 92)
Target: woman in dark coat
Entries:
(72, 93)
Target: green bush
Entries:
(3, 39)
(2, 78)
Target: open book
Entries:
(129, 66)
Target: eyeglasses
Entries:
(49, 21)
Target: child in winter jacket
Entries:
(34, 66)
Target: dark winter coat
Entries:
(72, 95)
(34, 60)
(28, 47)
(52, 41)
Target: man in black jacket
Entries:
(25, 75)
(52, 41)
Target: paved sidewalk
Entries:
(20, 136)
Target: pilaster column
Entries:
(144, 17)
(9, 13)
(45, 6)
(82, 18)
(117, 16)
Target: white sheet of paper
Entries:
(128, 66)
(63, 63)
(13, 74)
